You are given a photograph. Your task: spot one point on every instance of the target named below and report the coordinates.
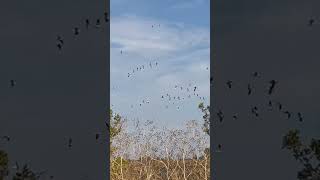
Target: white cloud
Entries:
(182, 53)
(184, 4)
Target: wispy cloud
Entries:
(187, 4)
(182, 51)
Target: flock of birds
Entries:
(60, 42)
(191, 89)
(255, 111)
(97, 23)
(271, 104)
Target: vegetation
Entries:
(150, 152)
(307, 154)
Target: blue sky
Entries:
(178, 42)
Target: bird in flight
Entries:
(70, 142)
(97, 136)
(194, 88)
(235, 117)
(300, 117)
(270, 104)
(76, 31)
(272, 86)
(98, 24)
(280, 106)
(229, 84)
(254, 111)
(60, 40)
(220, 115)
(59, 46)
(311, 21)
(106, 16)
(255, 74)
(288, 114)
(7, 138)
(249, 89)
(12, 83)
(87, 23)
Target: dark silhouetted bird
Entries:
(288, 114)
(254, 111)
(7, 138)
(87, 23)
(108, 126)
(300, 117)
(60, 40)
(311, 22)
(270, 104)
(229, 84)
(76, 31)
(235, 117)
(194, 88)
(97, 136)
(59, 46)
(106, 17)
(220, 115)
(13, 83)
(70, 143)
(280, 106)
(249, 89)
(255, 74)
(272, 86)
(98, 23)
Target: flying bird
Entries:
(311, 21)
(108, 126)
(98, 23)
(235, 117)
(7, 138)
(106, 16)
(270, 105)
(59, 46)
(272, 86)
(87, 23)
(288, 114)
(70, 143)
(76, 31)
(60, 40)
(300, 117)
(254, 111)
(249, 89)
(255, 74)
(194, 88)
(220, 115)
(12, 83)
(229, 84)
(280, 106)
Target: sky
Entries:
(179, 42)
